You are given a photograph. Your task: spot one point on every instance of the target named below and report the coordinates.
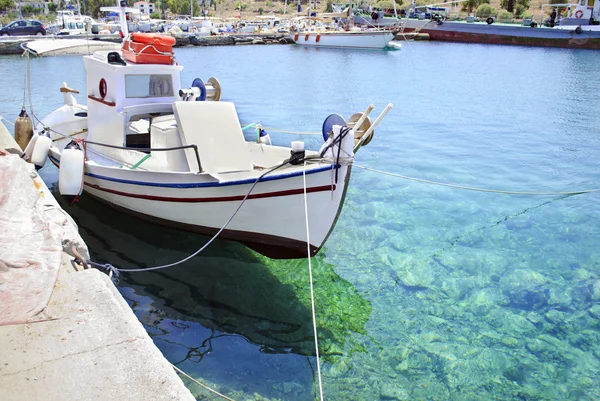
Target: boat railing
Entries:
(195, 147)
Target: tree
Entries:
(52, 7)
(6, 5)
(511, 5)
(469, 5)
(182, 7)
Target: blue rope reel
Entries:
(330, 121)
(198, 83)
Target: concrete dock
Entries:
(64, 334)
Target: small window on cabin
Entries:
(155, 85)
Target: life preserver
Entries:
(578, 14)
(296, 37)
(306, 37)
(153, 39)
(318, 37)
(103, 88)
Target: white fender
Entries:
(70, 173)
(29, 149)
(40, 150)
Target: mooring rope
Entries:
(257, 125)
(114, 270)
(204, 386)
(310, 276)
(475, 188)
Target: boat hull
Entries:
(271, 221)
(506, 34)
(353, 40)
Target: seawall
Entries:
(65, 333)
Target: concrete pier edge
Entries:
(87, 343)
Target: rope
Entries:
(245, 127)
(4, 119)
(114, 270)
(29, 85)
(312, 293)
(204, 386)
(477, 189)
(293, 132)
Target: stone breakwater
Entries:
(12, 45)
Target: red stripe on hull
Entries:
(216, 199)
(469, 37)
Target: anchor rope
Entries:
(475, 188)
(204, 386)
(312, 293)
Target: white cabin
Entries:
(125, 102)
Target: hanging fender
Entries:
(306, 37)
(71, 170)
(296, 37)
(318, 37)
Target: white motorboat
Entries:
(354, 39)
(149, 147)
(62, 47)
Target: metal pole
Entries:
(20, 11)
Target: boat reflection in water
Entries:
(230, 316)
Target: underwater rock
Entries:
(586, 340)
(583, 274)
(514, 323)
(525, 289)
(595, 290)
(559, 297)
(536, 346)
(292, 388)
(393, 392)
(595, 311)
(535, 318)
(482, 301)
(555, 317)
(510, 342)
(417, 276)
(339, 369)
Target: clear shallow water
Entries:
(423, 292)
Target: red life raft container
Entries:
(148, 48)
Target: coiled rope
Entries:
(475, 188)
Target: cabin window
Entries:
(155, 85)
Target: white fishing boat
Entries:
(353, 39)
(333, 30)
(63, 47)
(177, 156)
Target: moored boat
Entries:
(354, 39)
(177, 156)
(579, 29)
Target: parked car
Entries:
(23, 27)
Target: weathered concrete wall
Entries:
(86, 344)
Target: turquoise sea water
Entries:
(423, 292)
